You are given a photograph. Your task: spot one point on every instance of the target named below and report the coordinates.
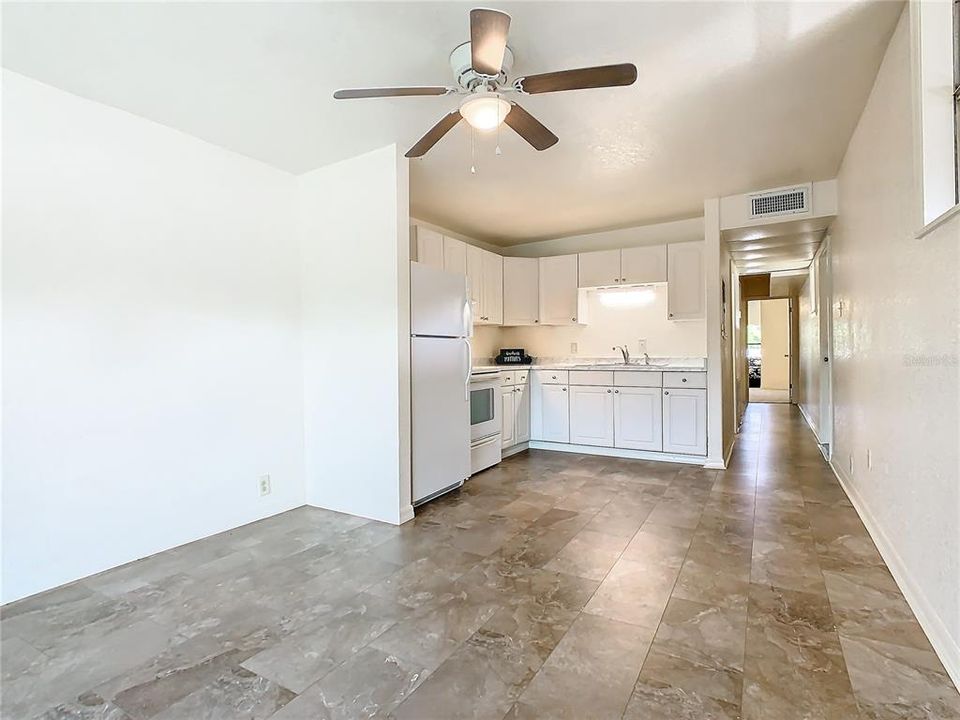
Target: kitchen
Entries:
(599, 352)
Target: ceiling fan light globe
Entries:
(484, 111)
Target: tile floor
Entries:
(551, 586)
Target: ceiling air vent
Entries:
(783, 201)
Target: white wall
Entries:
(151, 353)
(896, 385)
(610, 326)
(354, 239)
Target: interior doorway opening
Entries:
(768, 351)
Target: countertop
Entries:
(656, 365)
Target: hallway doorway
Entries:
(768, 351)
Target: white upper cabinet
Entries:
(647, 264)
(638, 418)
(591, 415)
(558, 290)
(429, 247)
(685, 421)
(685, 282)
(454, 255)
(599, 269)
(492, 288)
(475, 280)
(521, 295)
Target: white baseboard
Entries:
(406, 514)
(618, 452)
(946, 646)
(513, 450)
(806, 418)
(721, 464)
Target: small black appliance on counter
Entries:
(513, 356)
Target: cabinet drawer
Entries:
(684, 380)
(506, 378)
(551, 377)
(591, 377)
(638, 378)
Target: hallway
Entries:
(551, 586)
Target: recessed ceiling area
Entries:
(730, 96)
(776, 247)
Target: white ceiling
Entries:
(731, 97)
(776, 246)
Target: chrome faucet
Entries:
(623, 351)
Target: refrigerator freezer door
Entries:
(439, 305)
(441, 415)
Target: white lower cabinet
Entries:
(521, 413)
(551, 413)
(508, 418)
(591, 415)
(685, 421)
(638, 418)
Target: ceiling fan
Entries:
(481, 67)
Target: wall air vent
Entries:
(783, 201)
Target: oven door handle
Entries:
(466, 380)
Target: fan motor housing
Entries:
(466, 77)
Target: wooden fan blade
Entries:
(355, 93)
(434, 134)
(488, 40)
(593, 77)
(529, 128)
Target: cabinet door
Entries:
(643, 264)
(685, 421)
(508, 428)
(475, 281)
(685, 281)
(599, 269)
(521, 406)
(454, 255)
(558, 290)
(551, 413)
(591, 415)
(429, 247)
(492, 288)
(637, 418)
(521, 294)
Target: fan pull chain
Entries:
(499, 123)
(473, 151)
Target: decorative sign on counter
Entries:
(513, 356)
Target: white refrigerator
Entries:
(440, 360)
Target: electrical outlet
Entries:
(573, 348)
(264, 485)
(869, 459)
(642, 345)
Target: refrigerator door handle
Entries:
(466, 380)
(468, 318)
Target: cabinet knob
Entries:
(609, 391)
(553, 377)
(666, 392)
(564, 389)
(616, 392)
(536, 321)
(683, 380)
(574, 319)
(671, 314)
(623, 279)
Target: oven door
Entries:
(484, 409)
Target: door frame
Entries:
(823, 258)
